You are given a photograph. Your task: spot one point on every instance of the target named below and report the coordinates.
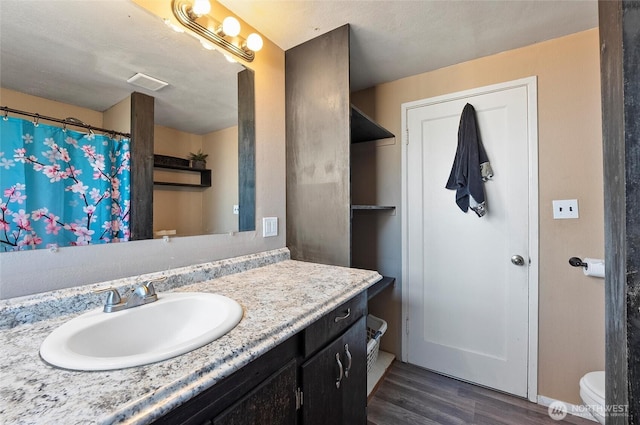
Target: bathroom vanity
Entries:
(297, 356)
(320, 372)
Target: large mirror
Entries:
(81, 54)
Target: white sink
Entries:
(175, 324)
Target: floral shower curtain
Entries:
(61, 187)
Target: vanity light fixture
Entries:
(225, 34)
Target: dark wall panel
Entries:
(246, 150)
(318, 149)
(142, 122)
(620, 67)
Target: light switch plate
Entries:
(565, 208)
(269, 226)
(236, 209)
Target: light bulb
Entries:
(254, 42)
(201, 7)
(231, 26)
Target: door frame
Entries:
(530, 83)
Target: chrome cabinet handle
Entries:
(340, 369)
(349, 360)
(339, 318)
(517, 260)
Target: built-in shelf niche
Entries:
(365, 129)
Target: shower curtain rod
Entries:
(67, 121)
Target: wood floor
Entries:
(414, 396)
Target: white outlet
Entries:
(269, 226)
(566, 208)
(236, 209)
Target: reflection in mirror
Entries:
(61, 187)
(69, 63)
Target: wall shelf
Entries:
(364, 129)
(373, 207)
(205, 175)
(181, 184)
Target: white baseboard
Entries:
(572, 409)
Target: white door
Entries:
(467, 303)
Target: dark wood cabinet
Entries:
(272, 402)
(334, 323)
(318, 376)
(334, 381)
(257, 379)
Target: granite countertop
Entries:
(280, 297)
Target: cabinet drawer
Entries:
(334, 323)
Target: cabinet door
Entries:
(354, 386)
(272, 402)
(334, 381)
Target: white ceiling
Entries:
(82, 52)
(392, 39)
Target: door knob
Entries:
(517, 260)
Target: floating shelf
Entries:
(364, 129)
(373, 207)
(205, 174)
(181, 184)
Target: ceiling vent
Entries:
(146, 82)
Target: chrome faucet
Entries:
(140, 295)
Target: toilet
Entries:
(592, 394)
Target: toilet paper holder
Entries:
(593, 267)
(577, 262)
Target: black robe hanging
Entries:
(470, 166)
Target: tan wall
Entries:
(118, 116)
(571, 306)
(36, 271)
(26, 102)
(176, 208)
(222, 147)
(209, 210)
